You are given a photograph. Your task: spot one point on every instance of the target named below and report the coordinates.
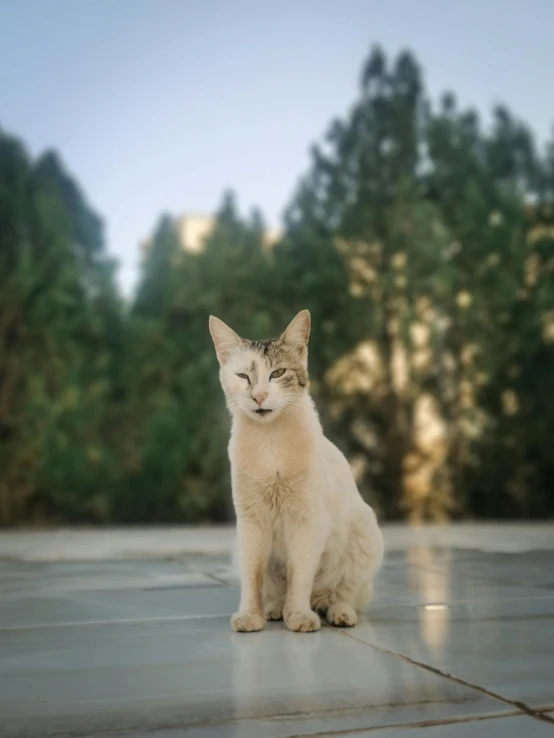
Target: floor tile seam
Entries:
(520, 705)
(534, 598)
(414, 724)
(280, 717)
(220, 580)
(116, 621)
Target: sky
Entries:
(160, 105)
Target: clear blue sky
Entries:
(158, 105)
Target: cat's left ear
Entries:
(298, 330)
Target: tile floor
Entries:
(458, 642)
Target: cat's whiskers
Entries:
(293, 402)
(234, 404)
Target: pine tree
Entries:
(58, 305)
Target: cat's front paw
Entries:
(274, 610)
(303, 622)
(342, 615)
(247, 622)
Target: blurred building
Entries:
(195, 228)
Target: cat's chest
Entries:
(271, 463)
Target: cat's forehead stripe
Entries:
(269, 350)
(265, 348)
(268, 354)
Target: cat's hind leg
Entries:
(343, 612)
(349, 587)
(342, 615)
(336, 601)
(337, 604)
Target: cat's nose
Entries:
(260, 397)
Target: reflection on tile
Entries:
(153, 674)
(435, 576)
(531, 568)
(499, 636)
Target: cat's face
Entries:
(263, 378)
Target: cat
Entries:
(307, 541)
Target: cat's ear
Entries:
(298, 330)
(226, 341)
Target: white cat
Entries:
(307, 541)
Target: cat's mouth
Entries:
(262, 412)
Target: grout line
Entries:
(174, 726)
(120, 621)
(219, 580)
(414, 724)
(519, 705)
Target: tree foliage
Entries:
(421, 240)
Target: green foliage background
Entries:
(422, 243)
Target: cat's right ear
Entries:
(226, 341)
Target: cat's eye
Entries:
(244, 376)
(277, 373)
